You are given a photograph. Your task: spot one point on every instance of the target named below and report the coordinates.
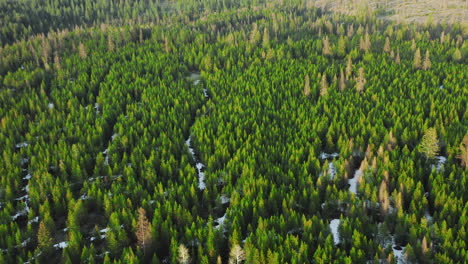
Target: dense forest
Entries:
(230, 132)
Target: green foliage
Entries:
(95, 122)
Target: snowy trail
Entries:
(195, 78)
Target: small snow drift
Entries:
(61, 245)
(199, 166)
(220, 221)
(440, 162)
(331, 170)
(324, 155)
(22, 144)
(353, 181)
(334, 224)
(398, 252)
(224, 199)
(201, 176)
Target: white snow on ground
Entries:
(104, 230)
(398, 252)
(61, 245)
(25, 242)
(24, 161)
(441, 87)
(224, 199)
(324, 155)
(201, 176)
(188, 142)
(353, 181)
(331, 170)
(106, 153)
(220, 221)
(428, 216)
(22, 145)
(114, 136)
(334, 224)
(196, 82)
(199, 165)
(84, 197)
(24, 197)
(50, 105)
(27, 177)
(34, 220)
(205, 92)
(440, 162)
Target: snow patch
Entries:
(34, 220)
(205, 92)
(61, 245)
(201, 176)
(199, 166)
(22, 144)
(324, 155)
(27, 177)
(50, 105)
(224, 199)
(440, 163)
(220, 221)
(331, 170)
(398, 252)
(334, 224)
(353, 181)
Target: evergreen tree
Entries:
(417, 59)
(360, 80)
(44, 238)
(143, 230)
(323, 85)
(236, 255)
(429, 145)
(463, 151)
(427, 61)
(306, 85)
(326, 49)
(183, 256)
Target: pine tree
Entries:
(429, 145)
(143, 231)
(236, 255)
(324, 85)
(342, 80)
(397, 58)
(427, 61)
(306, 85)
(57, 61)
(82, 51)
(341, 49)
(463, 151)
(44, 238)
(266, 38)
(326, 49)
(387, 45)
(457, 56)
(417, 59)
(110, 43)
(360, 80)
(183, 256)
(383, 197)
(349, 68)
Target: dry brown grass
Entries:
(419, 11)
